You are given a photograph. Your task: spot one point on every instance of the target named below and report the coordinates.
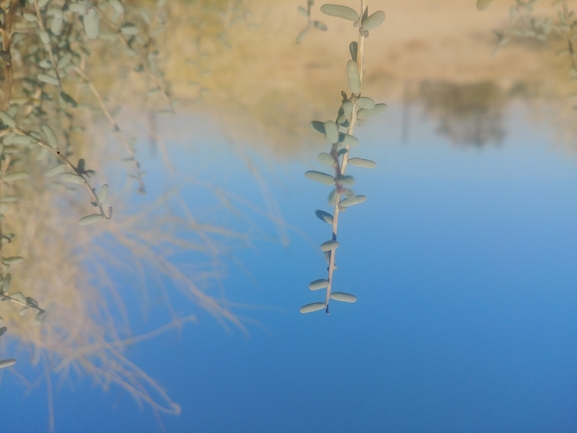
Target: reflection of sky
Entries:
(463, 261)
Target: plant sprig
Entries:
(339, 133)
(310, 23)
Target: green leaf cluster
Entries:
(355, 107)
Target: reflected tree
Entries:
(468, 114)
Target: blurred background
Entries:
(181, 313)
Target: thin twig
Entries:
(66, 161)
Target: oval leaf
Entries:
(117, 6)
(361, 162)
(319, 284)
(331, 131)
(7, 363)
(340, 12)
(60, 168)
(90, 219)
(353, 77)
(343, 297)
(373, 21)
(353, 49)
(129, 29)
(326, 159)
(103, 194)
(301, 36)
(73, 178)
(47, 79)
(329, 245)
(324, 216)
(40, 317)
(52, 140)
(483, 4)
(13, 261)
(364, 113)
(348, 140)
(320, 26)
(15, 176)
(347, 108)
(317, 126)
(333, 197)
(7, 119)
(19, 296)
(309, 308)
(323, 178)
(351, 201)
(91, 23)
(365, 102)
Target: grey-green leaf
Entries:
(15, 176)
(7, 119)
(329, 245)
(354, 49)
(49, 79)
(103, 194)
(302, 35)
(373, 21)
(326, 159)
(353, 77)
(483, 4)
(91, 26)
(90, 219)
(347, 180)
(309, 308)
(324, 178)
(117, 6)
(68, 99)
(303, 11)
(73, 178)
(60, 168)
(129, 29)
(331, 131)
(19, 296)
(44, 37)
(6, 283)
(343, 297)
(324, 216)
(319, 284)
(361, 162)
(332, 198)
(348, 140)
(366, 103)
(378, 108)
(40, 317)
(351, 201)
(347, 108)
(52, 140)
(8, 362)
(320, 26)
(13, 261)
(318, 126)
(57, 24)
(340, 12)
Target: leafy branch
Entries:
(354, 107)
(310, 23)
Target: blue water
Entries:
(463, 263)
